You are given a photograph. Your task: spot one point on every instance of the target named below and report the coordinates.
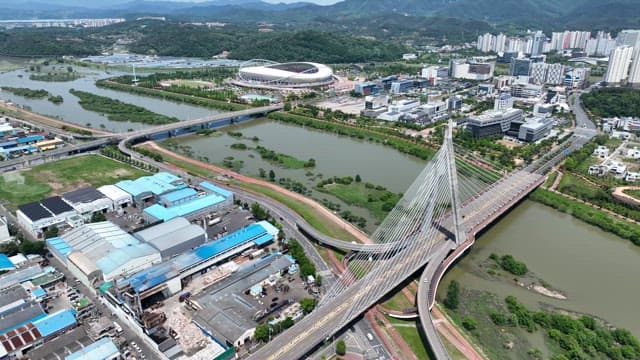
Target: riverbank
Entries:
(19, 113)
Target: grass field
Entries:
(369, 198)
(62, 176)
(409, 332)
(398, 302)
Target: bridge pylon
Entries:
(452, 176)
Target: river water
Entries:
(71, 111)
(597, 271)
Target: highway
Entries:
(296, 342)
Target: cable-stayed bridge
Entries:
(448, 203)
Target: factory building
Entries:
(189, 203)
(103, 349)
(118, 197)
(37, 217)
(147, 188)
(173, 237)
(102, 252)
(167, 278)
(87, 201)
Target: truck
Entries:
(256, 254)
(214, 221)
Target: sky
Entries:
(319, 2)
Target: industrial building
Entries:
(4, 231)
(493, 122)
(189, 203)
(37, 217)
(471, 69)
(148, 188)
(167, 278)
(118, 197)
(173, 237)
(87, 201)
(103, 349)
(102, 252)
(223, 312)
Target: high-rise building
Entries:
(628, 37)
(520, 67)
(501, 42)
(555, 74)
(504, 101)
(538, 43)
(538, 73)
(618, 68)
(634, 73)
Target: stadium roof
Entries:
(99, 350)
(55, 322)
(167, 213)
(83, 195)
(5, 263)
(178, 195)
(169, 234)
(209, 187)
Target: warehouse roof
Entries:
(170, 233)
(209, 187)
(55, 322)
(106, 245)
(8, 144)
(59, 245)
(83, 195)
(5, 263)
(56, 205)
(12, 297)
(101, 349)
(113, 192)
(157, 274)
(167, 213)
(178, 195)
(20, 316)
(16, 277)
(29, 148)
(157, 184)
(30, 138)
(34, 211)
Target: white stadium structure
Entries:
(294, 75)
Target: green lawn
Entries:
(378, 202)
(409, 332)
(62, 176)
(633, 193)
(398, 302)
(551, 178)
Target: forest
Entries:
(612, 102)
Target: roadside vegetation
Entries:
(60, 176)
(588, 214)
(117, 110)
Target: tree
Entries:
(262, 333)
(453, 295)
(308, 304)
(32, 247)
(358, 178)
(341, 347)
(287, 106)
(98, 217)
(51, 231)
(258, 211)
(287, 322)
(263, 173)
(469, 323)
(272, 175)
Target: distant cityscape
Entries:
(64, 23)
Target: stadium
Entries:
(265, 74)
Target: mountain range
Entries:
(523, 14)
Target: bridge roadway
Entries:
(325, 321)
(515, 187)
(128, 136)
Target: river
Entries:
(596, 270)
(71, 111)
(335, 156)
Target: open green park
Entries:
(17, 188)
